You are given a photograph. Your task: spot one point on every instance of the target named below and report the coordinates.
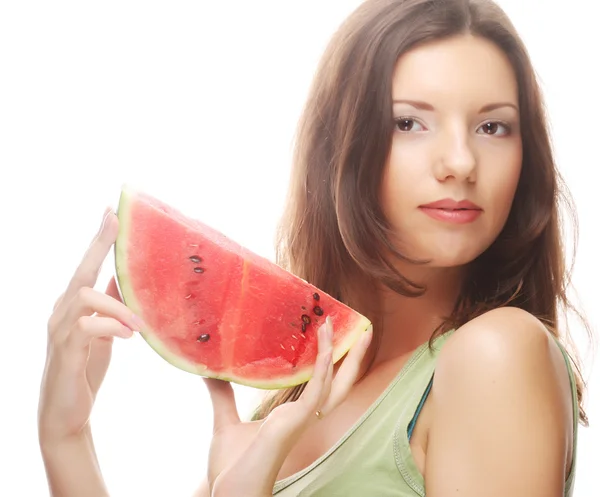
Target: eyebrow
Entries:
(486, 108)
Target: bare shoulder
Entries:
(507, 333)
(507, 352)
(501, 398)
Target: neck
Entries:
(407, 322)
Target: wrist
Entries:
(72, 467)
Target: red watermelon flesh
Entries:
(214, 308)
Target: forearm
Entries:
(72, 469)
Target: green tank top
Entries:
(374, 457)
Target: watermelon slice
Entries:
(214, 308)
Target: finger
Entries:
(348, 372)
(88, 301)
(62, 295)
(88, 328)
(101, 349)
(87, 272)
(98, 361)
(317, 389)
(112, 290)
(263, 458)
(222, 397)
(277, 435)
(58, 301)
(328, 360)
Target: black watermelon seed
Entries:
(303, 327)
(305, 319)
(316, 297)
(204, 338)
(195, 259)
(318, 311)
(198, 270)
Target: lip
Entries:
(448, 203)
(452, 211)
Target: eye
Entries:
(407, 124)
(493, 127)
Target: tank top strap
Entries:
(569, 484)
(419, 384)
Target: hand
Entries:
(80, 335)
(245, 458)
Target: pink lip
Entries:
(448, 203)
(452, 211)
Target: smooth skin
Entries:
(499, 419)
(244, 457)
(78, 355)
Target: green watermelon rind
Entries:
(122, 279)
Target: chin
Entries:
(450, 262)
(450, 256)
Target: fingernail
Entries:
(322, 331)
(127, 332)
(137, 322)
(107, 213)
(329, 324)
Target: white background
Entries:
(196, 102)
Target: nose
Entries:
(456, 159)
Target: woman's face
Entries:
(456, 151)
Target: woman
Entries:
(424, 194)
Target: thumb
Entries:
(112, 290)
(222, 397)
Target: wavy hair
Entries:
(342, 144)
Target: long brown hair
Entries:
(343, 140)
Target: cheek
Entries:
(408, 181)
(404, 176)
(499, 184)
